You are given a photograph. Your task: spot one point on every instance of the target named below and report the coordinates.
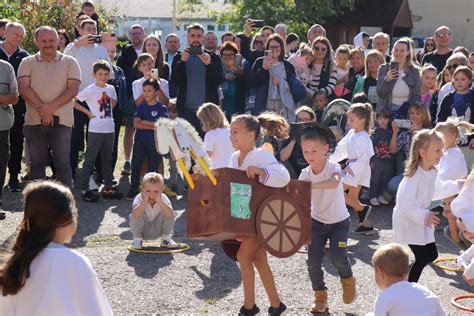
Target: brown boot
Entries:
(349, 292)
(320, 302)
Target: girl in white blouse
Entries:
(357, 147)
(42, 276)
(413, 223)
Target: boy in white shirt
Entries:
(152, 213)
(398, 296)
(330, 218)
(101, 99)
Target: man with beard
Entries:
(210, 42)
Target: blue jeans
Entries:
(393, 184)
(143, 149)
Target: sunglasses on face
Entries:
(429, 44)
(258, 42)
(317, 48)
(452, 66)
(443, 35)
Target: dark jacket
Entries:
(384, 88)
(214, 77)
(172, 86)
(94, 17)
(446, 107)
(259, 79)
(247, 52)
(119, 84)
(15, 60)
(125, 61)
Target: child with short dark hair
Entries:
(382, 162)
(400, 297)
(320, 100)
(101, 99)
(144, 145)
(330, 219)
(152, 213)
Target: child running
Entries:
(152, 213)
(330, 219)
(217, 139)
(413, 223)
(400, 297)
(244, 131)
(42, 276)
(357, 147)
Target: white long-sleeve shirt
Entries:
(61, 282)
(407, 299)
(358, 149)
(276, 175)
(452, 165)
(414, 196)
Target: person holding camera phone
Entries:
(398, 82)
(233, 87)
(198, 75)
(87, 50)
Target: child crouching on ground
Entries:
(152, 213)
(400, 297)
(330, 219)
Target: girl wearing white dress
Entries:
(42, 276)
(257, 162)
(357, 148)
(413, 223)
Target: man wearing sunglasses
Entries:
(443, 38)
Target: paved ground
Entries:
(203, 280)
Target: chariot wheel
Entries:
(279, 226)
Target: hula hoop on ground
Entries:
(461, 307)
(156, 249)
(436, 264)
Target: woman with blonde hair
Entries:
(368, 82)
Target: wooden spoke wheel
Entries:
(279, 226)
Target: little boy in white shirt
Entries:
(152, 213)
(398, 296)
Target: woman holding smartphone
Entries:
(398, 82)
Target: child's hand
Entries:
(145, 196)
(253, 171)
(275, 80)
(432, 219)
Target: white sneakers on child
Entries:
(374, 201)
(383, 201)
(167, 242)
(137, 244)
(379, 201)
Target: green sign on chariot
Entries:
(240, 195)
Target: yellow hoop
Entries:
(183, 247)
(460, 297)
(435, 263)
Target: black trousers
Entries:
(16, 147)
(424, 255)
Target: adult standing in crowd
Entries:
(86, 52)
(8, 97)
(125, 61)
(428, 47)
(48, 81)
(357, 70)
(438, 57)
(282, 30)
(316, 30)
(3, 25)
(381, 42)
(210, 42)
(197, 76)
(292, 44)
(398, 88)
(227, 36)
(253, 49)
(87, 9)
(368, 82)
(152, 45)
(11, 52)
(172, 56)
(233, 87)
(269, 76)
(323, 71)
(64, 40)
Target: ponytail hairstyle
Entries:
(140, 59)
(48, 205)
(271, 123)
(363, 111)
(421, 140)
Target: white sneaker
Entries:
(383, 201)
(137, 244)
(169, 243)
(387, 196)
(92, 185)
(374, 202)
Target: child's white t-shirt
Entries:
(452, 165)
(137, 88)
(99, 101)
(328, 205)
(151, 212)
(61, 282)
(218, 141)
(407, 299)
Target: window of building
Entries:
(210, 27)
(221, 28)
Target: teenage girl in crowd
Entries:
(144, 65)
(428, 84)
(244, 131)
(413, 223)
(217, 139)
(42, 276)
(357, 147)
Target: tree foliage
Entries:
(60, 14)
(299, 15)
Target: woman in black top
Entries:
(430, 45)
